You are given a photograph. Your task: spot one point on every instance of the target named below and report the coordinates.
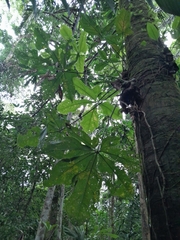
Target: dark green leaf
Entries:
(153, 32)
(30, 139)
(89, 25)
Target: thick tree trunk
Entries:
(157, 124)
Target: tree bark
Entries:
(157, 124)
(60, 212)
(45, 214)
(144, 213)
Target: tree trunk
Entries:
(45, 214)
(60, 212)
(157, 124)
(143, 208)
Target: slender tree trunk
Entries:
(157, 121)
(111, 215)
(60, 212)
(45, 214)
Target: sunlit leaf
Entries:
(83, 89)
(82, 43)
(110, 110)
(80, 64)
(90, 121)
(66, 32)
(67, 106)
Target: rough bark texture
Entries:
(157, 124)
(45, 214)
(60, 212)
(143, 208)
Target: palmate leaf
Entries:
(65, 171)
(82, 137)
(66, 148)
(122, 187)
(83, 166)
(111, 147)
(81, 172)
(84, 196)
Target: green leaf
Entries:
(153, 32)
(66, 169)
(86, 193)
(111, 145)
(105, 165)
(103, 54)
(176, 22)
(30, 139)
(66, 32)
(66, 148)
(110, 110)
(82, 137)
(90, 121)
(122, 187)
(100, 66)
(97, 90)
(80, 64)
(89, 25)
(170, 6)
(83, 89)
(68, 85)
(41, 38)
(123, 22)
(68, 106)
(82, 43)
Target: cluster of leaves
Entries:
(76, 55)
